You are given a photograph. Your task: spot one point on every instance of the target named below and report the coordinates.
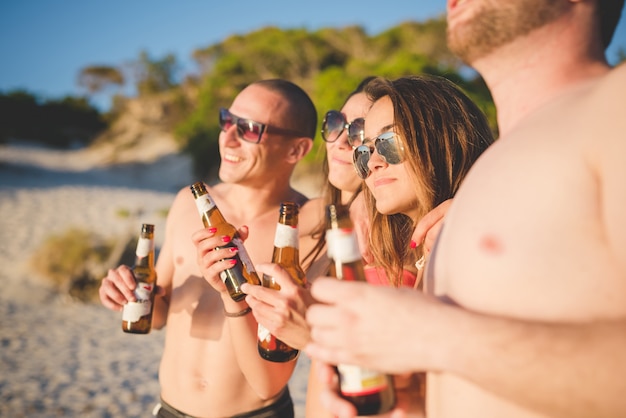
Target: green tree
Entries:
(154, 76)
(58, 123)
(96, 78)
(327, 63)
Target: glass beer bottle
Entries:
(243, 271)
(371, 392)
(286, 254)
(137, 316)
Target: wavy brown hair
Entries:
(443, 133)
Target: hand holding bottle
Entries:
(286, 254)
(240, 268)
(369, 390)
(214, 256)
(118, 288)
(282, 311)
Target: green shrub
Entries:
(76, 260)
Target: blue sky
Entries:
(44, 43)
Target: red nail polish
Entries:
(213, 230)
(233, 262)
(413, 244)
(233, 249)
(225, 238)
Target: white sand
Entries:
(65, 359)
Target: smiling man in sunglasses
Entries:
(210, 365)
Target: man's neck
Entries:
(534, 70)
(251, 202)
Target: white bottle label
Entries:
(204, 204)
(342, 245)
(357, 381)
(286, 236)
(133, 311)
(263, 333)
(144, 245)
(143, 291)
(243, 255)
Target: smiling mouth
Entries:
(232, 158)
(343, 162)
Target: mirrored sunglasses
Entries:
(335, 122)
(247, 129)
(386, 146)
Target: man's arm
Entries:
(573, 369)
(165, 262)
(165, 273)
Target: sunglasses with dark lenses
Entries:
(335, 122)
(247, 129)
(386, 146)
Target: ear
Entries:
(298, 148)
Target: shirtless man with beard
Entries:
(525, 307)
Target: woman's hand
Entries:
(282, 311)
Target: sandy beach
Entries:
(60, 358)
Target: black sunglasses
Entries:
(335, 122)
(387, 148)
(247, 129)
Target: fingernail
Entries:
(213, 230)
(413, 244)
(232, 262)
(233, 249)
(225, 238)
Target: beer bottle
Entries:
(371, 392)
(137, 316)
(243, 271)
(286, 254)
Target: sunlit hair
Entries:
(443, 133)
(609, 13)
(301, 115)
(330, 193)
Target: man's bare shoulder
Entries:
(183, 196)
(611, 86)
(618, 73)
(601, 120)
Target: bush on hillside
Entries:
(75, 261)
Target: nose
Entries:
(342, 141)
(229, 136)
(376, 161)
